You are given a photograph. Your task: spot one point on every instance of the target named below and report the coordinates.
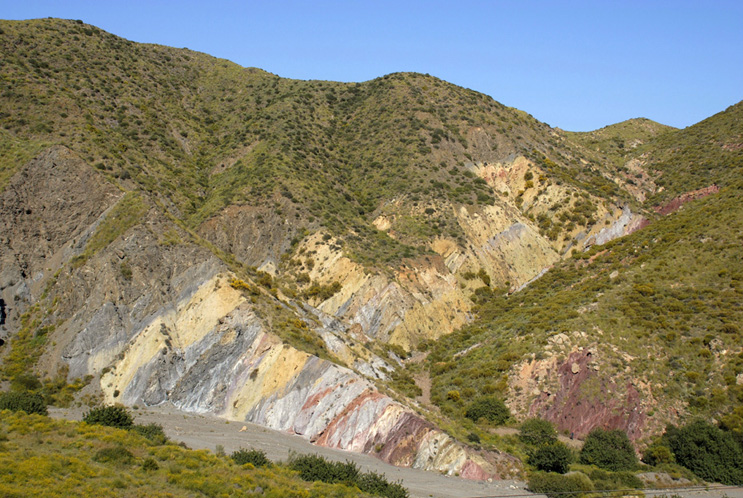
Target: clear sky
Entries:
(579, 65)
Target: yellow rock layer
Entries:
(192, 319)
(271, 374)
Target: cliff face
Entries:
(155, 316)
(210, 352)
(421, 299)
(49, 210)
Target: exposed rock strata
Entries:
(171, 328)
(228, 364)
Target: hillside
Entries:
(312, 256)
(645, 325)
(635, 334)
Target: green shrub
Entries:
(23, 401)
(150, 464)
(111, 416)
(256, 457)
(323, 292)
(572, 485)
(115, 454)
(554, 457)
(376, 484)
(608, 449)
(490, 408)
(25, 382)
(658, 454)
(537, 432)
(317, 468)
(153, 432)
(709, 452)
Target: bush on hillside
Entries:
(490, 408)
(554, 457)
(111, 416)
(115, 454)
(256, 457)
(608, 449)
(572, 485)
(658, 454)
(23, 401)
(317, 468)
(153, 432)
(537, 432)
(709, 452)
(377, 484)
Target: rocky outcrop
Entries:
(584, 399)
(256, 235)
(527, 186)
(423, 298)
(420, 299)
(505, 244)
(159, 322)
(626, 224)
(570, 385)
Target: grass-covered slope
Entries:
(49, 458)
(710, 152)
(615, 142)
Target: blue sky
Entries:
(579, 65)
